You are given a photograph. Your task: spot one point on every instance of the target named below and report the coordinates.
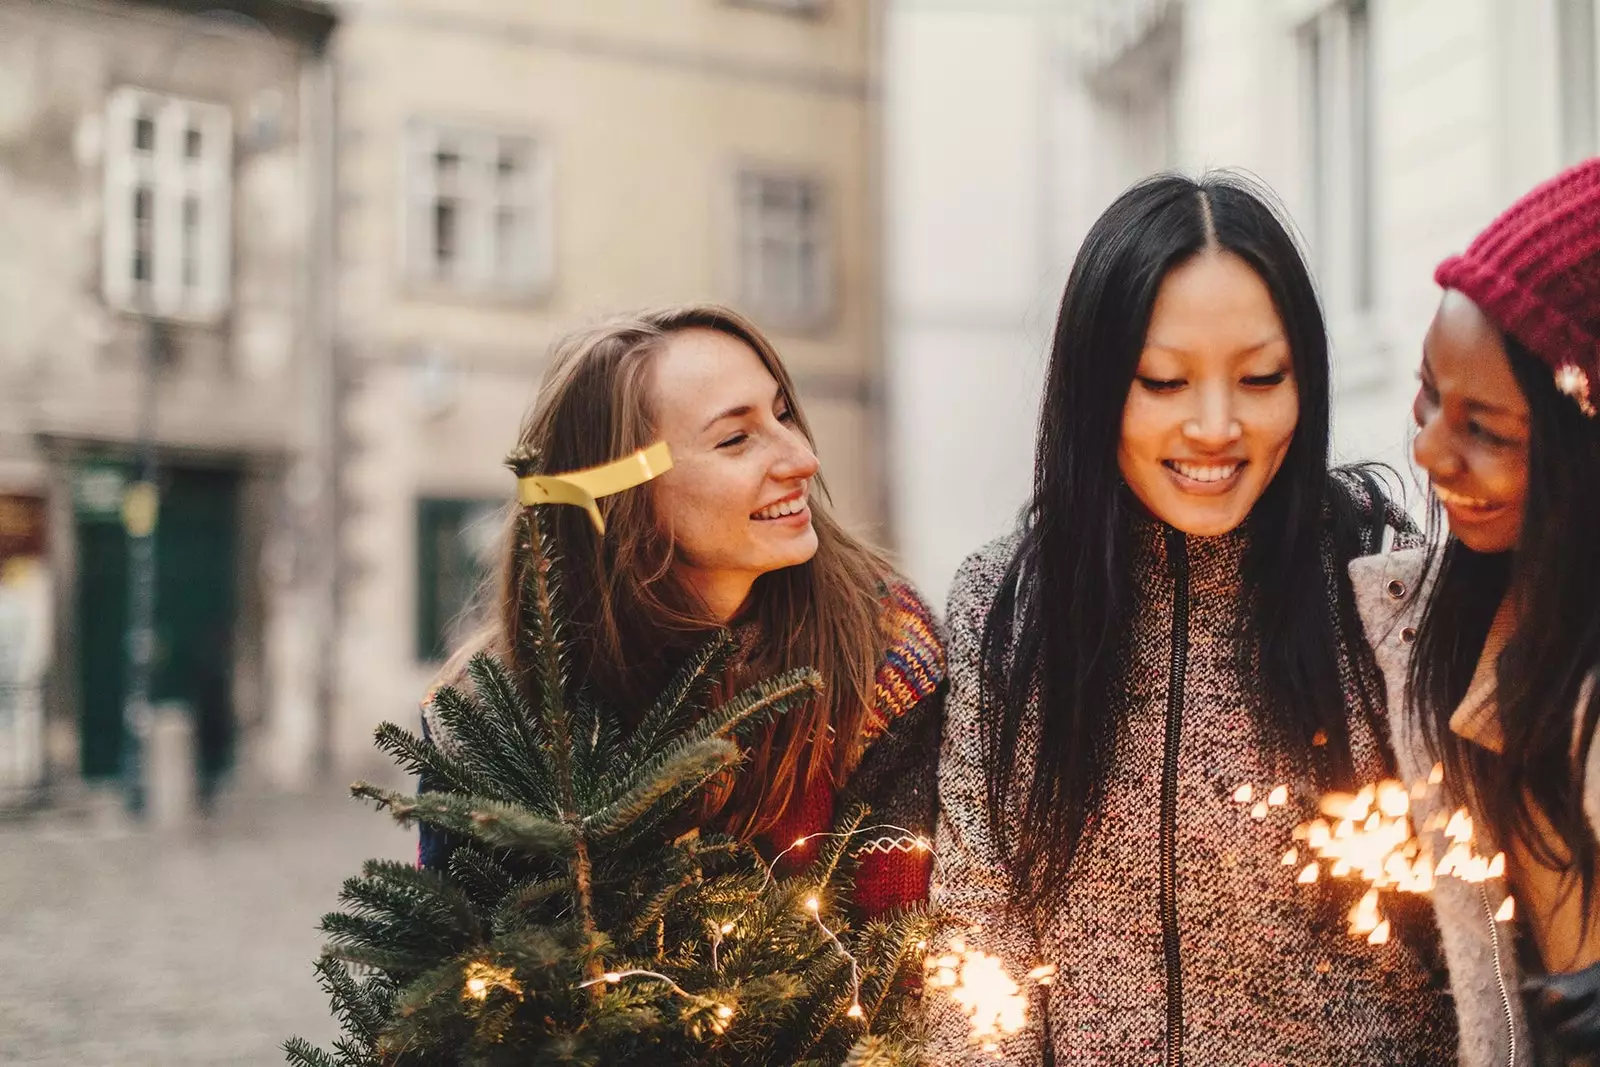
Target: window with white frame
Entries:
(1578, 68)
(1336, 60)
(168, 205)
(784, 270)
(478, 211)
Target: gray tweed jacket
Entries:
(1264, 971)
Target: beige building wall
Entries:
(240, 384)
(643, 113)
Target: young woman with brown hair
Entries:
(735, 535)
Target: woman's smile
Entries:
(1468, 509)
(790, 510)
(1209, 478)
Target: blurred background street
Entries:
(121, 946)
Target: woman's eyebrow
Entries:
(1487, 408)
(737, 412)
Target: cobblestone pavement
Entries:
(174, 948)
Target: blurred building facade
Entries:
(164, 178)
(1393, 130)
(312, 255)
(509, 170)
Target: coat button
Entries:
(1397, 589)
(1409, 635)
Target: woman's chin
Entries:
(1204, 517)
(800, 548)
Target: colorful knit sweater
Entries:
(895, 775)
(1248, 967)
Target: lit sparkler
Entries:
(1370, 836)
(985, 993)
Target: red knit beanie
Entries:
(1535, 272)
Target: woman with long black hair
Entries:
(1499, 653)
(1173, 622)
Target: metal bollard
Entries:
(169, 764)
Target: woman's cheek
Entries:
(1276, 419)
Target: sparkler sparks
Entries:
(1370, 836)
(985, 993)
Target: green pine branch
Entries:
(493, 822)
(675, 773)
(694, 677)
(496, 753)
(837, 848)
(540, 634)
(422, 758)
(400, 893)
(754, 706)
(485, 880)
(515, 909)
(302, 1053)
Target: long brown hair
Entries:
(628, 618)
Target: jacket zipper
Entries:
(1178, 556)
(1500, 976)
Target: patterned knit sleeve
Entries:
(896, 780)
(895, 777)
(969, 881)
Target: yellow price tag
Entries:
(583, 488)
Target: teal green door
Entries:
(196, 568)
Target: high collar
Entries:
(1154, 541)
(1477, 717)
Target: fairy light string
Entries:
(994, 1003)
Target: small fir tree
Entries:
(571, 927)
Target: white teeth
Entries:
(1205, 473)
(782, 508)
(1461, 500)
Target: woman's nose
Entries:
(796, 459)
(1213, 423)
(1431, 449)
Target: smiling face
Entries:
(1214, 405)
(1472, 427)
(736, 499)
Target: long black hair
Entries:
(1553, 578)
(1060, 623)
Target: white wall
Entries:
(998, 159)
(973, 271)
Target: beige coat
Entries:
(1484, 973)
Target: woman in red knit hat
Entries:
(737, 534)
(1498, 662)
